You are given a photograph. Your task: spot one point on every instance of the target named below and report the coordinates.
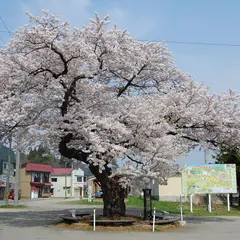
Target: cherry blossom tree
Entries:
(99, 96)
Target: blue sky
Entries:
(212, 21)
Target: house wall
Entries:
(25, 179)
(59, 186)
(171, 191)
(93, 185)
(78, 183)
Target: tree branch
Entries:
(123, 89)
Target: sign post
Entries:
(228, 202)
(181, 209)
(147, 204)
(209, 203)
(191, 207)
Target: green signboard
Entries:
(207, 179)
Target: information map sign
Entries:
(207, 179)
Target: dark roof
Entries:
(83, 166)
(37, 167)
(4, 154)
(62, 171)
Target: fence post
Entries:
(154, 218)
(94, 219)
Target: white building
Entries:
(61, 181)
(78, 182)
(68, 183)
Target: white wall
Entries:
(59, 186)
(77, 186)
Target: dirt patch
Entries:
(138, 226)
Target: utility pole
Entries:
(16, 186)
(71, 190)
(66, 179)
(8, 170)
(208, 199)
(205, 156)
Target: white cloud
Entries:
(139, 26)
(76, 11)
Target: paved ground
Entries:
(28, 224)
(215, 230)
(43, 204)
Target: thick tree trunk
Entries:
(113, 198)
(113, 193)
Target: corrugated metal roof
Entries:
(83, 166)
(39, 167)
(62, 171)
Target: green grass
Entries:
(172, 207)
(12, 206)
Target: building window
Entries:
(46, 190)
(54, 179)
(36, 177)
(79, 179)
(68, 191)
(84, 179)
(46, 177)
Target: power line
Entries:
(195, 43)
(5, 26)
(2, 40)
(166, 41)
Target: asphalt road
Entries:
(33, 224)
(50, 218)
(45, 218)
(35, 219)
(40, 226)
